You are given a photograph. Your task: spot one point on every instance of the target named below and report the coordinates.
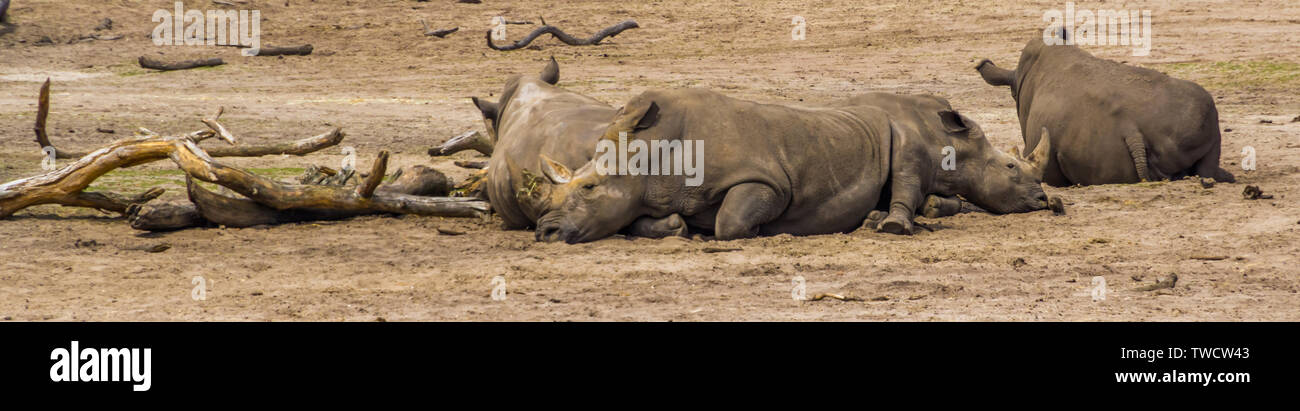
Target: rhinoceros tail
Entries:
(1137, 147)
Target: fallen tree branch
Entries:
(610, 31)
(437, 33)
(283, 196)
(302, 50)
(63, 186)
(469, 140)
(180, 65)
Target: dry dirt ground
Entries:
(389, 87)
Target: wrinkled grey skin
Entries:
(534, 117)
(768, 169)
(1111, 123)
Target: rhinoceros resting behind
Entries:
(1111, 123)
(534, 117)
(771, 169)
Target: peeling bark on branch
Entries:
(595, 39)
(63, 186)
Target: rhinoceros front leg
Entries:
(906, 197)
(671, 226)
(745, 208)
(935, 206)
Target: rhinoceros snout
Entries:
(548, 233)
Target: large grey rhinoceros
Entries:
(771, 169)
(535, 118)
(1111, 123)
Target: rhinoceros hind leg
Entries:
(746, 207)
(670, 226)
(873, 219)
(1208, 167)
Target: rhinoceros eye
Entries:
(1011, 166)
(588, 186)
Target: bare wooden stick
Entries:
(368, 186)
(282, 196)
(111, 201)
(218, 128)
(180, 65)
(437, 33)
(42, 114)
(610, 31)
(302, 50)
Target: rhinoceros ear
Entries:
(551, 74)
(648, 116)
(952, 122)
(488, 108)
(558, 173)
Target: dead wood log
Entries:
(302, 50)
(166, 216)
(469, 140)
(595, 39)
(180, 65)
(437, 33)
(283, 196)
(206, 208)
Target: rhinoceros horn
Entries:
(1036, 162)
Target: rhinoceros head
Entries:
(991, 179)
(589, 204)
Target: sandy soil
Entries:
(389, 87)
